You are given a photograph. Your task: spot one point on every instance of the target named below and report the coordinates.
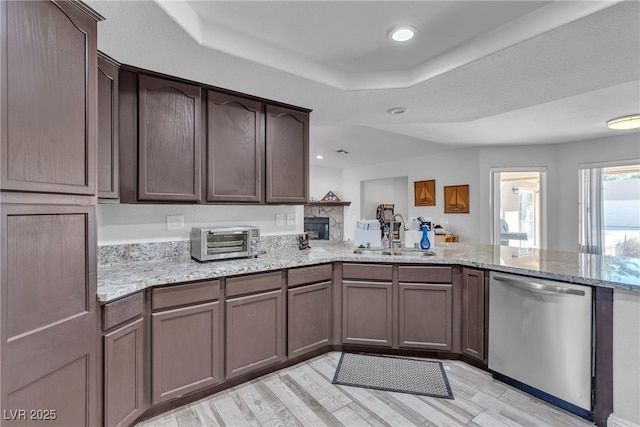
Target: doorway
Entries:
(518, 207)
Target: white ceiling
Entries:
(477, 73)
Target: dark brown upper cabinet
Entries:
(287, 155)
(240, 150)
(107, 127)
(48, 97)
(169, 140)
(235, 149)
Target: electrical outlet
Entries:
(175, 222)
(291, 219)
(280, 220)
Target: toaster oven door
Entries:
(228, 244)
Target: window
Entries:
(609, 214)
(517, 203)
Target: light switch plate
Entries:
(291, 219)
(280, 221)
(175, 222)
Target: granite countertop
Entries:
(605, 271)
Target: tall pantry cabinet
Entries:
(49, 354)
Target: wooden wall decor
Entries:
(424, 193)
(456, 199)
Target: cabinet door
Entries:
(107, 129)
(169, 144)
(425, 316)
(367, 313)
(309, 322)
(255, 332)
(473, 313)
(48, 97)
(287, 148)
(185, 350)
(49, 312)
(235, 149)
(123, 374)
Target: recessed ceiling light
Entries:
(402, 33)
(625, 123)
(396, 110)
(319, 157)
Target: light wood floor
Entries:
(303, 395)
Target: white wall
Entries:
(471, 166)
(449, 168)
(383, 191)
(626, 358)
(322, 180)
(118, 224)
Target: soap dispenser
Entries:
(385, 240)
(424, 242)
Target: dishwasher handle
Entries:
(534, 286)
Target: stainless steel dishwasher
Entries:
(540, 336)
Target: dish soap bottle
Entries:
(385, 240)
(424, 242)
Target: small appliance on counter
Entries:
(215, 243)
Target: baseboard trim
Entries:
(616, 421)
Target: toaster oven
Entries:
(208, 244)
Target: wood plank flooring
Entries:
(303, 395)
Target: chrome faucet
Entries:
(405, 227)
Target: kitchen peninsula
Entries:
(248, 317)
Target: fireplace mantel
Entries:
(328, 204)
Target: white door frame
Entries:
(494, 188)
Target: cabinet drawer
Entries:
(367, 271)
(425, 274)
(316, 273)
(172, 296)
(251, 284)
(118, 312)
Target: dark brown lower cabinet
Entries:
(473, 315)
(367, 313)
(185, 350)
(255, 332)
(425, 316)
(309, 321)
(123, 374)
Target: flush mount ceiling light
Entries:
(396, 110)
(402, 33)
(625, 123)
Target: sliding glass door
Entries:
(609, 209)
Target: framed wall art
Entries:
(456, 199)
(424, 193)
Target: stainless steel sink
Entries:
(369, 251)
(395, 252)
(412, 252)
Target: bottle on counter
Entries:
(424, 242)
(385, 240)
